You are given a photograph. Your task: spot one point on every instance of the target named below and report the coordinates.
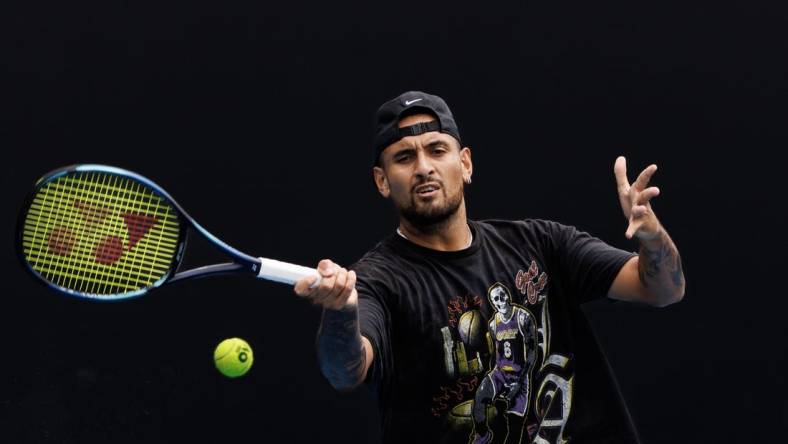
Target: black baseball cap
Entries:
(389, 114)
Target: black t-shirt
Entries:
(506, 309)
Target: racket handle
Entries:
(284, 272)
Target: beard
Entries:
(430, 218)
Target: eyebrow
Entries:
(437, 142)
(403, 150)
(411, 149)
(428, 145)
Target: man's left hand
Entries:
(635, 198)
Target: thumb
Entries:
(326, 268)
(633, 227)
(303, 287)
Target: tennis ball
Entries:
(233, 357)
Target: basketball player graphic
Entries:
(513, 330)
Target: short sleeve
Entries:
(587, 265)
(374, 318)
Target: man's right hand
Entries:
(337, 289)
(345, 355)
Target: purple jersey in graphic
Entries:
(510, 342)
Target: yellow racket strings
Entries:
(100, 234)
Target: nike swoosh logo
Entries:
(410, 102)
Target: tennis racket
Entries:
(104, 233)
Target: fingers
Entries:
(335, 288)
(646, 195)
(303, 285)
(635, 198)
(639, 211)
(326, 289)
(335, 291)
(620, 170)
(326, 268)
(635, 220)
(344, 295)
(632, 229)
(642, 181)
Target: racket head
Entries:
(100, 232)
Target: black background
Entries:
(257, 118)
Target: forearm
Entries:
(659, 268)
(339, 348)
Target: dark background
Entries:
(257, 118)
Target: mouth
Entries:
(427, 190)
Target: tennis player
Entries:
(471, 331)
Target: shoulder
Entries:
(382, 254)
(372, 260)
(377, 269)
(538, 232)
(527, 225)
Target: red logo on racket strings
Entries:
(93, 215)
(111, 248)
(62, 240)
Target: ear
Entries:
(467, 164)
(381, 181)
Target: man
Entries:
(409, 317)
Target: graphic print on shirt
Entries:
(506, 386)
(524, 281)
(513, 330)
(554, 376)
(466, 349)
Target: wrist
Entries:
(346, 313)
(652, 236)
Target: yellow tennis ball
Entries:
(233, 357)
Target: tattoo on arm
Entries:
(651, 262)
(677, 273)
(660, 260)
(339, 348)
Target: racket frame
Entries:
(243, 263)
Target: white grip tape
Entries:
(284, 272)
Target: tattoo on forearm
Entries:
(340, 352)
(651, 262)
(658, 256)
(677, 272)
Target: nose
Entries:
(424, 167)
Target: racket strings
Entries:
(100, 234)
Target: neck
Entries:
(452, 234)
